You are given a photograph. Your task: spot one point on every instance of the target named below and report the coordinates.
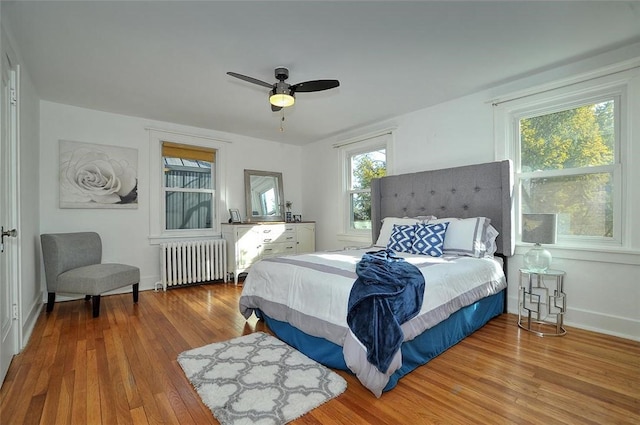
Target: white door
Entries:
(8, 219)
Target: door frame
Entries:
(11, 217)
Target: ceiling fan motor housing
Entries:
(281, 73)
(281, 87)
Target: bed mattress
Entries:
(310, 292)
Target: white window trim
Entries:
(613, 85)
(366, 143)
(157, 232)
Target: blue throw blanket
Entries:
(387, 293)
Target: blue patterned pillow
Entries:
(429, 239)
(401, 239)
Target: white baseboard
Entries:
(623, 327)
(29, 321)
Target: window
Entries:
(189, 183)
(363, 161)
(186, 185)
(567, 147)
(568, 167)
(363, 167)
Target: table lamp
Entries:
(538, 229)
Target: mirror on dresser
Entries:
(264, 196)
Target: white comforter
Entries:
(311, 292)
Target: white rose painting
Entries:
(98, 176)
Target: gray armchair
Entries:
(73, 264)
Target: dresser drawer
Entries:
(277, 249)
(276, 233)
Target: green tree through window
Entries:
(364, 168)
(567, 160)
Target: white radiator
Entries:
(189, 262)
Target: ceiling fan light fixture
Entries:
(282, 98)
(282, 94)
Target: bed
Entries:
(304, 299)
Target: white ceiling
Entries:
(167, 61)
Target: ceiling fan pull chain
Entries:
(282, 122)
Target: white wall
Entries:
(603, 290)
(125, 232)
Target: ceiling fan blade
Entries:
(315, 85)
(250, 79)
(275, 108)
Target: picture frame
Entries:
(97, 176)
(235, 215)
(297, 218)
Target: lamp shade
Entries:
(539, 228)
(281, 95)
(282, 100)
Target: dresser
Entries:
(248, 243)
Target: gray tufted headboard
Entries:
(481, 190)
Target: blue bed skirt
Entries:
(415, 353)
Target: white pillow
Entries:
(387, 228)
(490, 241)
(466, 236)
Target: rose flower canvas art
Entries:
(98, 176)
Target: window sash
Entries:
(365, 225)
(589, 212)
(614, 169)
(364, 228)
(351, 161)
(185, 214)
(183, 211)
(167, 190)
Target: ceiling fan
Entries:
(283, 94)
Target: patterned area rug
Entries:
(258, 379)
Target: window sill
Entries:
(596, 254)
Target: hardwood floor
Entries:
(121, 368)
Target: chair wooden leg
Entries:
(96, 305)
(135, 292)
(50, 301)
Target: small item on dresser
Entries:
(297, 218)
(288, 204)
(235, 215)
